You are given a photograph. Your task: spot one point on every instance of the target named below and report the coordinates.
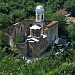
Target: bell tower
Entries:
(39, 13)
(40, 17)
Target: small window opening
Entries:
(42, 17)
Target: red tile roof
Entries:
(16, 23)
(52, 23)
(73, 21)
(24, 20)
(46, 28)
(70, 19)
(62, 11)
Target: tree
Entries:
(71, 31)
(48, 13)
(30, 8)
(19, 39)
(17, 15)
(61, 23)
(4, 20)
(70, 5)
(3, 39)
(54, 4)
(3, 8)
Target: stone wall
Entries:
(37, 48)
(20, 29)
(52, 33)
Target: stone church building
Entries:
(36, 35)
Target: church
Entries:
(37, 34)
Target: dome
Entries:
(35, 27)
(39, 8)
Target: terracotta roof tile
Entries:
(29, 19)
(52, 23)
(73, 21)
(46, 28)
(70, 19)
(49, 25)
(62, 11)
(16, 23)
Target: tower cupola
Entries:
(39, 13)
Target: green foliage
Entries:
(69, 4)
(19, 39)
(69, 28)
(31, 8)
(17, 15)
(61, 23)
(48, 13)
(62, 63)
(10, 65)
(71, 31)
(4, 21)
(12, 11)
(3, 8)
(3, 39)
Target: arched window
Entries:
(42, 17)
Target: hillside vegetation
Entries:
(61, 64)
(11, 63)
(12, 11)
